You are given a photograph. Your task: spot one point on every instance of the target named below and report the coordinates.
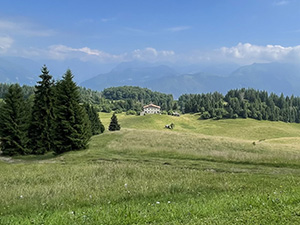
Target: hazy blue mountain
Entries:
(190, 83)
(18, 70)
(81, 70)
(136, 76)
(222, 69)
(272, 77)
(26, 71)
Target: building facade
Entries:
(151, 109)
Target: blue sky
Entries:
(175, 31)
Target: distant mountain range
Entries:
(18, 70)
(272, 77)
(172, 79)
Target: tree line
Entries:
(133, 98)
(54, 120)
(119, 99)
(27, 90)
(86, 95)
(243, 103)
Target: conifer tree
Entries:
(114, 125)
(14, 122)
(42, 121)
(96, 125)
(72, 126)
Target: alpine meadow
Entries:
(201, 172)
(150, 112)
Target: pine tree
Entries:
(14, 122)
(114, 125)
(72, 126)
(42, 120)
(96, 125)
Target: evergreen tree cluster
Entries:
(27, 90)
(14, 121)
(135, 97)
(54, 121)
(96, 126)
(243, 103)
(90, 97)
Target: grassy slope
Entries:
(202, 172)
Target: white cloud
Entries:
(242, 53)
(248, 53)
(62, 52)
(151, 54)
(179, 28)
(5, 43)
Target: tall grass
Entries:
(145, 174)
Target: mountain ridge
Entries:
(272, 77)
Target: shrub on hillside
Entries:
(131, 112)
(205, 115)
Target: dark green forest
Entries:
(50, 119)
(243, 103)
(131, 96)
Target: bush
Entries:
(235, 116)
(131, 112)
(170, 112)
(106, 108)
(119, 111)
(205, 115)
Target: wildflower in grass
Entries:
(21, 196)
(125, 185)
(157, 202)
(169, 202)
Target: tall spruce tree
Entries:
(114, 125)
(14, 122)
(42, 121)
(96, 126)
(72, 126)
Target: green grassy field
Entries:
(202, 172)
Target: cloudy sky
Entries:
(114, 31)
